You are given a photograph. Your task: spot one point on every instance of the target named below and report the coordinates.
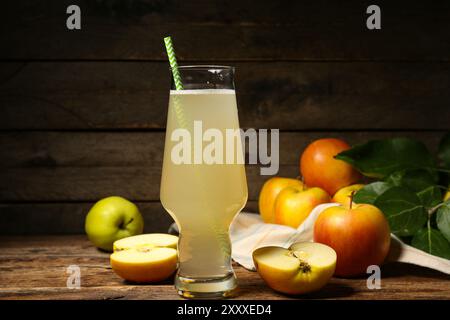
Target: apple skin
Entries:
(293, 204)
(111, 219)
(269, 193)
(320, 169)
(359, 234)
(344, 194)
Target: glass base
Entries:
(209, 288)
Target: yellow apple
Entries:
(269, 193)
(343, 195)
(304, 267)
(145, 258)
(294, 204)
(447, 195)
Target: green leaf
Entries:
(432, 241)
(444, 150)
(443, 219)
(403, 210)
(414, 179)
(430, 196)
(379, 158)
(369, 193)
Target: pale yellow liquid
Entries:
(203, 199)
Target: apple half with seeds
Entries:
(304, 267)
(145, 258)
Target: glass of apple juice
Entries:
(203, 184)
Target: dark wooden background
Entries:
(82, 113)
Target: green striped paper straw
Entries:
(222, 235)
(180, 116)
(173, 63)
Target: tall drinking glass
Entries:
(203, 184)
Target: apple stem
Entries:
(123, 224)
(352, 194)
(301, 178)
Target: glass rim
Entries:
(203, 67)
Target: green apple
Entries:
(111, 219)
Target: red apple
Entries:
(320, 169)
(359, 233)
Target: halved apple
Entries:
(145, 258)
(304, 267)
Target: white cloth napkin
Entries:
(248, 232)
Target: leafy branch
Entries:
(408, 190)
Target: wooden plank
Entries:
(237, 30)
(27, 273)
(91, 184)
(288, 96)
(109, 286)
(127, 149)
(68, 218)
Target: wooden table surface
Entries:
(36, 268)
